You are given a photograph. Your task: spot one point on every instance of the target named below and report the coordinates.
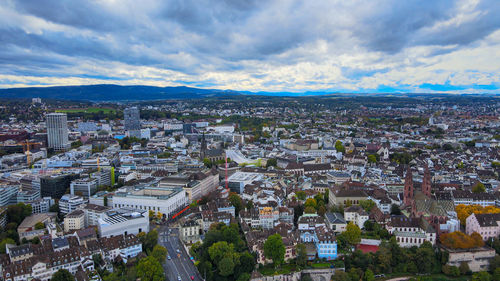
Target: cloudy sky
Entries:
(326, 46)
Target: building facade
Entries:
(57, 131)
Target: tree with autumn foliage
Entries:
(464, 211)
(460, 240)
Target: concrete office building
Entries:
(121, 221)
(157, 199)
(84, 187)
(57, 131)
(69, 203)
(56, 185)
(132, 119)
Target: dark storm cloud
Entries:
(194, 37)
(77, 13)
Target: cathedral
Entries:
(434, 208)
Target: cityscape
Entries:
(242, 140)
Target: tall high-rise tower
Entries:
(132, 119)
(408, 191)
(426, 182)
(132, 122)
(57, 131)
(203, 147)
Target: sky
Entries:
(276, 46)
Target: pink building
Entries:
(487, 225)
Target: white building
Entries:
(120, 221)
(93, 213)
(356, 215)
(69, 203)
(57, 131)
(41, 205)
(157, 199)
(74, 221)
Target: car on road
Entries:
(179, 277)
(168, 257)
(192, 277)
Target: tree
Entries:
(148, 240)
(481, 276)
(309, 210)
(460, 240)
(339, 146)
(226, 266)
(54, 208)
(272, 162)
(464, 268)
(5, 242)
(159, 253)
(341, 276)
(367, 205)
(62, 275)
(395, 210)
(352, 234)
(150, 269)
(275, 249)
(39, 225)
(18, 212)
(311, 202)
(235, 200)
(372, 159)
(301, 195)
(496, 274)
(369, 276)
(224, 256)
(301, 254)
(495, 263)
(479, 188)
(369, 225)
(321, 210)
(464, 211)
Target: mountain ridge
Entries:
(113, 92)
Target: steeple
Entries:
(408, 191)
(426, 182)
(203, 148)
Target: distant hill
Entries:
(109, 92)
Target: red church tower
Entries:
(408, 191)
(426, 182)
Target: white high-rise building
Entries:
(57, 131)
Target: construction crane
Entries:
(28, 153)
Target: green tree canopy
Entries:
(479, 188)
(339, 146)
(159, 253)
(235, 200)
(62, 275)
(18, 212)
(301, 254)
(352, 234)
(150, 269)
(275, 249)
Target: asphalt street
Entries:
(180, 264)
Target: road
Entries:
(180, 263)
